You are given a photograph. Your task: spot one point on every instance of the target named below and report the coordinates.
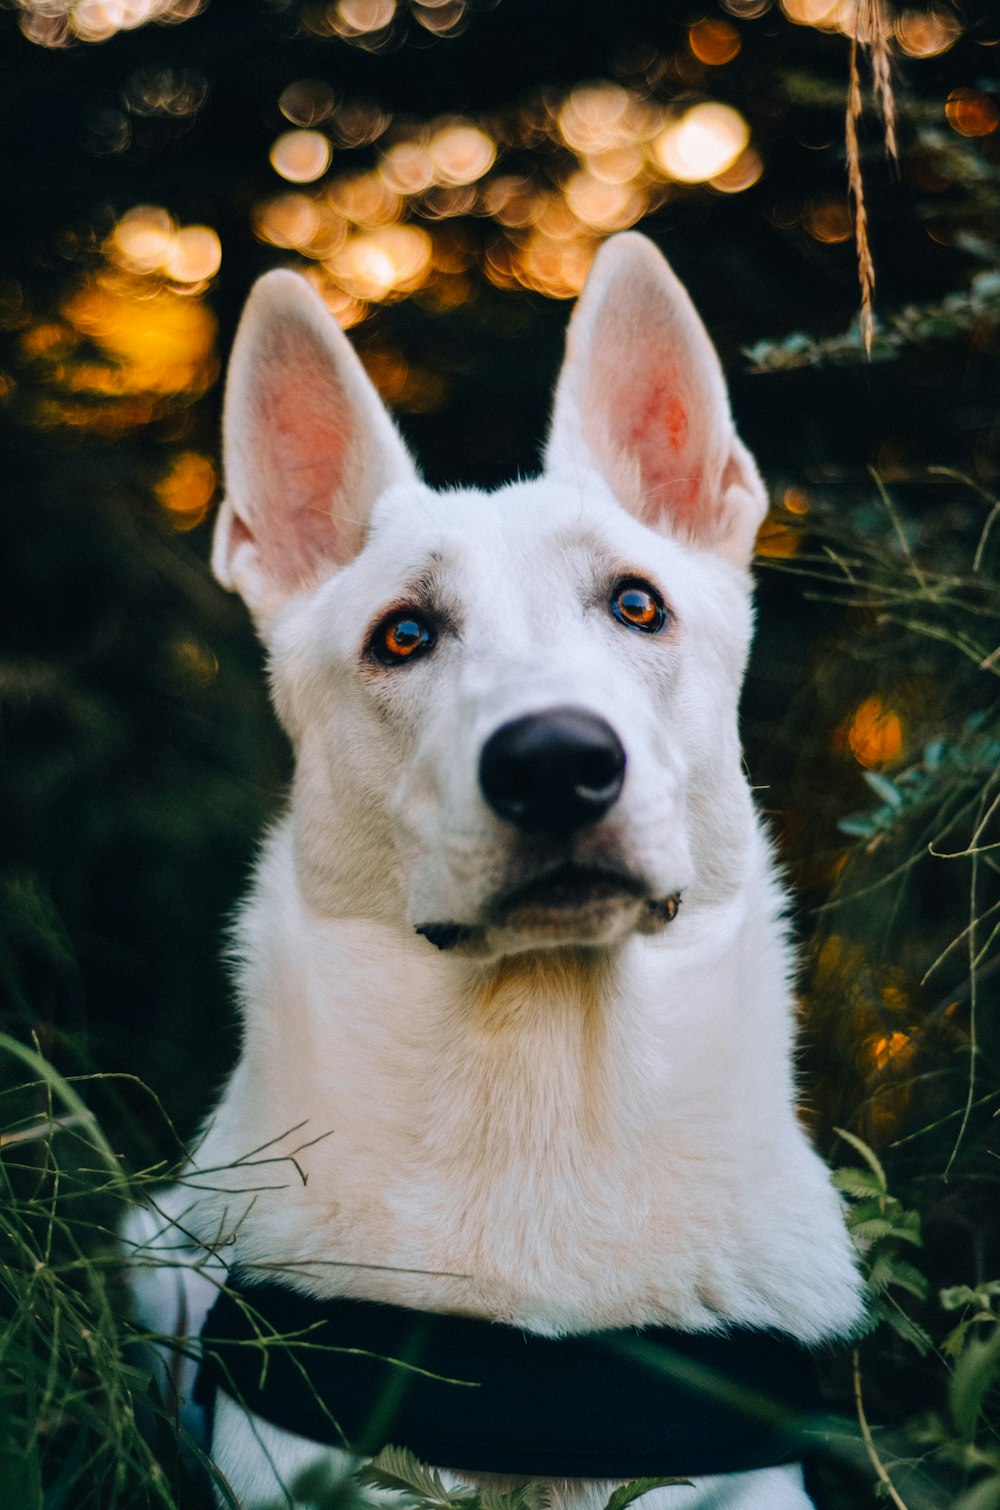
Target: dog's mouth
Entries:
(567, 902)
(569, 888)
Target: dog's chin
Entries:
(572, 906)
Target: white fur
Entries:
(561, 1124)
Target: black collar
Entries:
(606, 1405)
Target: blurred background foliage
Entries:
(444, 170)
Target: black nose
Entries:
(553, 771)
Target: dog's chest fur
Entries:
(543, 1142)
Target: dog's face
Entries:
(514, 714)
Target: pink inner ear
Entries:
(304, 451)
(661, 416)
(651, 423)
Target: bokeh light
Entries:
(971, 112)
(391, 261)
(702, 143)
(461, 153)
(193, 255)
(444, 18)
(358, 18)
(927, 33)
(875, 733)
(829, 221)
(307, 102)
(147, 242)
(714, 42)
(301, 156)
(290, 220)
(187, 489)
(744, 173)
(407, 168)
(595, 117)
(826, 15)
(54, 23)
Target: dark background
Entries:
(139, 757)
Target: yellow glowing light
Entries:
(187, 489)
(557, 269)
(461, 153)
(826, 15)
(290, 220)
(407, 168)
(744, 173)
(301, 156)
(775, 539)
(365, 200)
(605, 206)
(927, 33)
(884, 1049)
(511, 201)
(795, 501)
(972, 113)
(875, 733)
(346, 310)
(554, 219)
(393, 260)
(361, 17)
(194, 254)
(615, 165)
(162, 344)
(141, 240)
(443, 203)
(146, 241)
(830, 221)
(593, 117)
(53, 23)
(702, 144)
(714, 42)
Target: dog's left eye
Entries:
(638, 606)
(401, 637)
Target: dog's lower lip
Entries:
(572, 886)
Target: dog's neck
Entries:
(564, 1141)
(491, 1055)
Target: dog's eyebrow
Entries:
(587, 543)
(428, 588)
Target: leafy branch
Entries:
(399, 1470)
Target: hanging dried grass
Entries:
(871, 28)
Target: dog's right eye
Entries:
(401, 637)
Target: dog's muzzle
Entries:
(552, 772)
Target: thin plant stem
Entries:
(973, 979)
(869, 1441)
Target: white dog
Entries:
(514, 964)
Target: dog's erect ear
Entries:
(641, 397)
(308, 446)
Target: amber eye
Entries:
(401, 637)
(638, 606)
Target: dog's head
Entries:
(514, 714)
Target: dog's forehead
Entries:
(525, 523)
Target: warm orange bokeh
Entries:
(972, 113)
(875, 733)
(187, 489)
